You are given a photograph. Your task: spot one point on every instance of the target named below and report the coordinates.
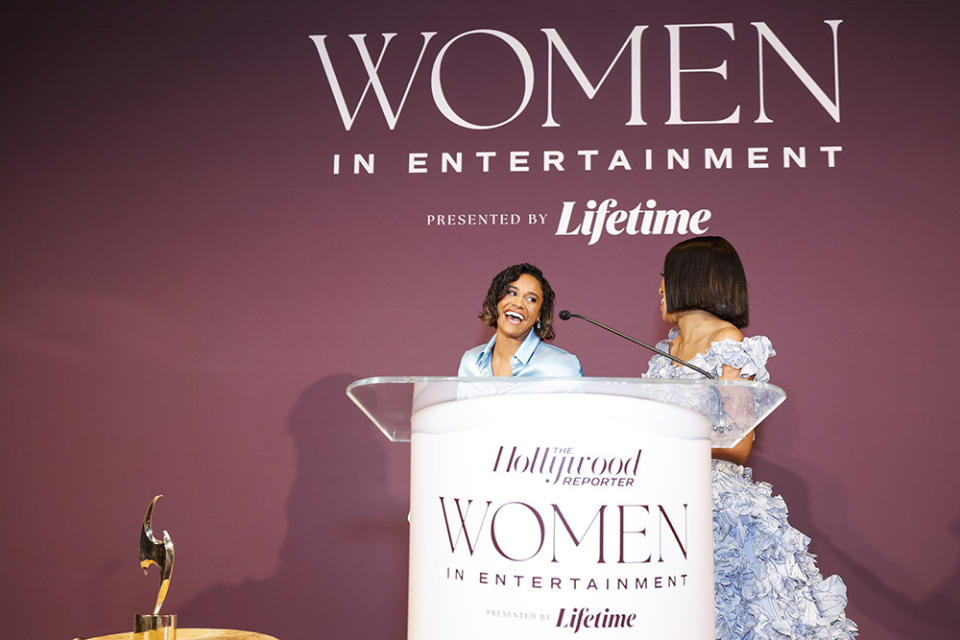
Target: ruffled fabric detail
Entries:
(750, 356)
(767, 585)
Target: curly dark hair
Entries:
(498, 289)
(706, 273)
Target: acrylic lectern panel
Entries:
(733, 407)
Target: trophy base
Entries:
(155, 627)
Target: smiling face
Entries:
(519, 310)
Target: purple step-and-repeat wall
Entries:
(216, 215)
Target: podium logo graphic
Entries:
(519, 531)
(559, 465)
(582, 619)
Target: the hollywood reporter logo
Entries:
(519, 530)
(559, 465)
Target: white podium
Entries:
(557, 508)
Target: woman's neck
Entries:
(507, 345)
(697, 323)
(698, 330)
(503, 349)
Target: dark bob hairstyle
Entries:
(706, 273)
(498, 289)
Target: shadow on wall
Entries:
(343, 565)
(891, 604)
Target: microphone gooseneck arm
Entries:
(566, 315)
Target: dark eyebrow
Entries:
(528, 293)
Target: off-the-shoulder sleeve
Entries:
(658, 366)
(750, 356)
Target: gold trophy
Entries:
(152, 551)
(154, 626)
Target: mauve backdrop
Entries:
(186, 288)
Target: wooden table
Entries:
(198, 634)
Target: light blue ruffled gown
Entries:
(767, 585)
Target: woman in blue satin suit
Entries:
(519, 305)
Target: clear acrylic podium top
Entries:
(734, 407)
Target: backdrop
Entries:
(216, 215)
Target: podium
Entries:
(558, 508)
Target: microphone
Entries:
(566, 315)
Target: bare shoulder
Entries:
(726, 332)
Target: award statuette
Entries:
(152, 551)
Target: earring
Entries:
(538, 325)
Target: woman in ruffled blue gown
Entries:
(766, 583)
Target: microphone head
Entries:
(564, 315)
